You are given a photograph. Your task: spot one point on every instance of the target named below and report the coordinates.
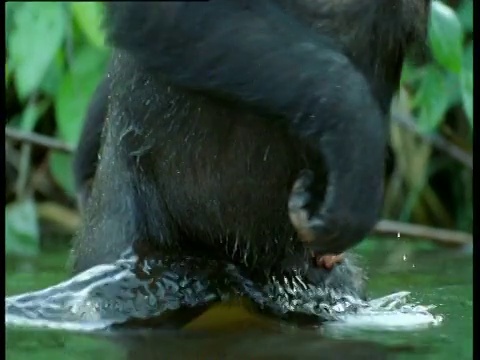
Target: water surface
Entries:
(433, 276)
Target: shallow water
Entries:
(433, 276)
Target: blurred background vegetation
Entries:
(55, 57)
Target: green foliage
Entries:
(75, 91)
(433, 97)
(47, 59)
(56, 56)
(37, 35)
(438, 90)
(22, 234)
(32, 114)
(58, 165)
(447, 80)
(446, 37)
(89, 19)
(466, 82)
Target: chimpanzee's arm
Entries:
(253, 52)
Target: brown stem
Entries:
(436, 140)
(37, 139)
(447, 237)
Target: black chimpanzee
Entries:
(251, 132)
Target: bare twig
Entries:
(384, 227)
(37, 139)
(436, 140)
(447, 237)
(67, 219)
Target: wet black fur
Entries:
(216, 107)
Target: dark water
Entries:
(433, 276)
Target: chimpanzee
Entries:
(247, 132)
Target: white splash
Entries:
(70, 306)
(388, 313)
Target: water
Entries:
(433, 276)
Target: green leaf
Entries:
(465, 14)
(53, 76)
(411, 73)
(76, 90)
(466, 83)
(446, 37)
(433, 98)
(468, 57)
(31, 115)
(39, 29)
(60, 166)
(22, 234)
(89, 16)
(11, 7)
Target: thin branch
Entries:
(384, 227)
(37, 139)
(436, 140)
(447, 237)
(67, 219)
